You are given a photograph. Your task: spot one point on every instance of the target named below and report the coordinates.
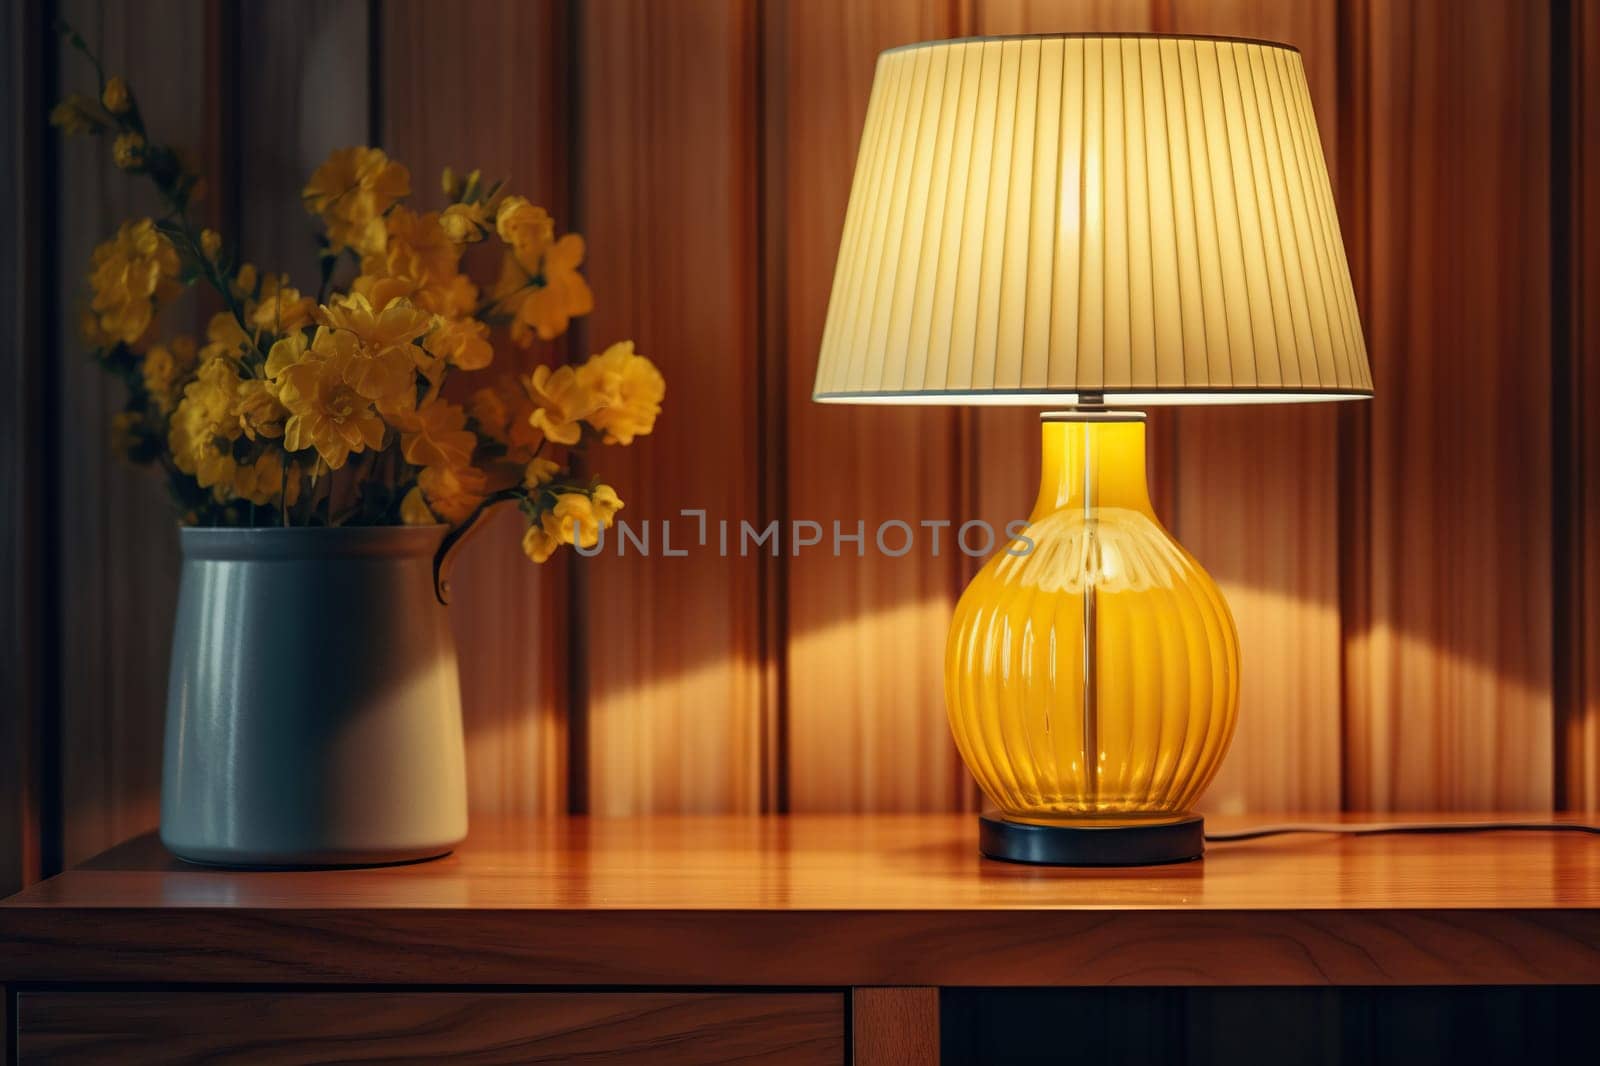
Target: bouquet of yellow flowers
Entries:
(336, 409)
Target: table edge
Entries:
(587, 947)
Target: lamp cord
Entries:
(1382, 828)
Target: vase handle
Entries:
(444, 559)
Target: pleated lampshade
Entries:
(1091, 218)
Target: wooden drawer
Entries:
(65, 1027)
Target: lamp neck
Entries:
(1092, 460)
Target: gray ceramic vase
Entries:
(313, 709)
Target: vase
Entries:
(313, 708)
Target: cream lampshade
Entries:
(1093, 223)
(1036, 220)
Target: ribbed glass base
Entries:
(1091, 675)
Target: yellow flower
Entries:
(540, 472)
(74, 115)
(436, 434)
(575, 520)
(462, 342)
(281, 308)
(388, 357)
(560, 402)
(93, 335)
(261, 413)
(414, 509)
(453, 493)
(395, 325)
(127, 151)
(454, 297)
(418, 250)
(285, 353)
(115, 96)
(381, 291)
(606, 503)
(244, 282)
(416, 246)
(125, 432)
(325, 411)
(502, 413)
(465, 223)
(210, 243)
(133, 274)
(539, 284)
(163, 366)
(628, 390)
(529, 229)
(223, 337)
(539, 545)
(545, 301)
(351, 190)
(265, 480)
(204, 426)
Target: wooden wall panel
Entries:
(667, 186)
(1577, 572)
(865, 696)
(484, 85)
(305, 92)
(118, 582)
(1256, 501)
(1417, 632)
(996, 17)
(26, 680)
(1448, 684)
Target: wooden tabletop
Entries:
(831, 900)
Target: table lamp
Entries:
(1091, 223)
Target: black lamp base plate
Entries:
(1091, 845)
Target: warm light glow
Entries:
(1145, 218)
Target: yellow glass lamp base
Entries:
(1091, 674)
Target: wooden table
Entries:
(799, 938)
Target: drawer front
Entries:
(65, 1027)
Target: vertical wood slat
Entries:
(1353, 189)
(118, 581)
(668, 174)
(482, 86)
(866, 722)
(772, 402)
(24, 451)
(1257, 504)
(1448, 684)
(303, 94)
(1576, 393)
